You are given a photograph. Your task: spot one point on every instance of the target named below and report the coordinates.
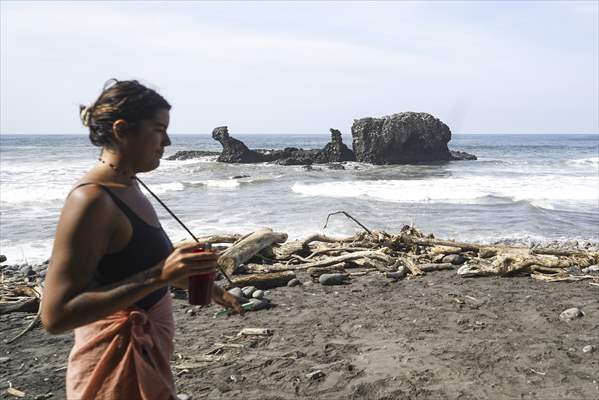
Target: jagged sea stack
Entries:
(234, 151)
(335, 151)
(403, 138)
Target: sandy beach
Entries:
(439, 336)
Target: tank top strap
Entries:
(120, 203)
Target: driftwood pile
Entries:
(265, 259)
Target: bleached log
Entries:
(335, 250)
(28, 304)
(435, 267)
(489, 248)
(296, 246)
(507, 264)
(446, 250)
(315, 272)
(409, 263)
(212, 239)
(264, 281)
(247, 247)
(376, 254)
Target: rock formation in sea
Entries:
(403, 138)
(189, 154)
(335, 150)
(235, 151)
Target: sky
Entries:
(305, 67)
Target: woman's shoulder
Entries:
(90, 196)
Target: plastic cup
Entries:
(200, 286)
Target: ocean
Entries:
(524, 188)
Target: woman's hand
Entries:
(226, 299)
(187, 260)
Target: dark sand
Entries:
(421, 338)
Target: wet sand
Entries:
(433, 337)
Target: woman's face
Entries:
(145, 148)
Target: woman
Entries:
(112, 263)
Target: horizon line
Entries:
(312, 134)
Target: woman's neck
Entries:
(114, 165)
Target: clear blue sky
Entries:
(304, 67)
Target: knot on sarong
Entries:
(139, 330)
(138, 317)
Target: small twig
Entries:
(348, 216)
(29, 327)
(539, 373)
(302, 259)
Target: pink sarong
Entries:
(124, 356)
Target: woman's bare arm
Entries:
(82, 237)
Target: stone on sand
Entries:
(570, 314)
(588, 349)
(248, 291)
(294, 282)
(332, 279)
(455, 259)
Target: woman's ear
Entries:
(119, 130)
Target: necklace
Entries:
(115, 168)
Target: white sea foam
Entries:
(218, 183)
(590, 161)
(543, 189)
(26, 251)
(13, 194)
(165, 187)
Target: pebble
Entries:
(593, 269)
(588, 349)
(570, 314)
(248, 291)
(259, 304)
(396, 275)
(258, 294)
(26, 270)
(184, 396)
(191, 312)
(294, 282)
(332, 279)
(2, 258)
(315, 374)
(236, 292)
(455, 259)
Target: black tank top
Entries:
(147, 247)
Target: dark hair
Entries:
(128, 100)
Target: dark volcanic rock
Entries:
(461, 155)
(335, 150)
(234, 151)
(407, 137)
(188, 154)
(335, 166)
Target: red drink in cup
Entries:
(200, 285)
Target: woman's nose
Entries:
(166, 141)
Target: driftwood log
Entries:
(247, 247)
(264, 281)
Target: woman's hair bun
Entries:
(84, 113)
